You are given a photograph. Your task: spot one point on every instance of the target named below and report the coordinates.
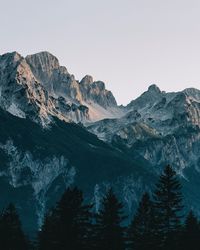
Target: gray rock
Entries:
(33, 86)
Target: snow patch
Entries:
(16, 111)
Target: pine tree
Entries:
(11, 234)
(168, 206)
(191, 233)
(109, 230)
(141, 231)
(68, 226)
(48, 237)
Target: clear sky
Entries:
(129, 44)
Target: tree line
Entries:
(158, 224)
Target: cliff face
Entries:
(39, 88)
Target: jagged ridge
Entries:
(39, 88)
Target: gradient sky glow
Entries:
(129, 44)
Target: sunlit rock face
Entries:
(58, 92)
(21, 95)
(39, 88)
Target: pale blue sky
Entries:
(129, 44)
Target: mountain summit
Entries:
(39, 88)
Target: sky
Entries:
(128, 44)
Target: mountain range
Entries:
(56, 131)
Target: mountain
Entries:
(156, 116)
(162, 128)
(56, 131)
(43, 149)
(39, 88)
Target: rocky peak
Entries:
(43, 64)
(33, 87)
(96, 92)
(44, 60)
(11, 56)
(147, 99)
(87, 80)
(154, 89)
(9, 60)
(20, 93)
(99, 85)
(192, 93)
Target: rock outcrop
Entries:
(39, 88)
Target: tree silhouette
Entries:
(168, 206)
(191, 233)
(68, 226)
(11, 234)
(48, 237)
(141, 231)
(110, 233)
